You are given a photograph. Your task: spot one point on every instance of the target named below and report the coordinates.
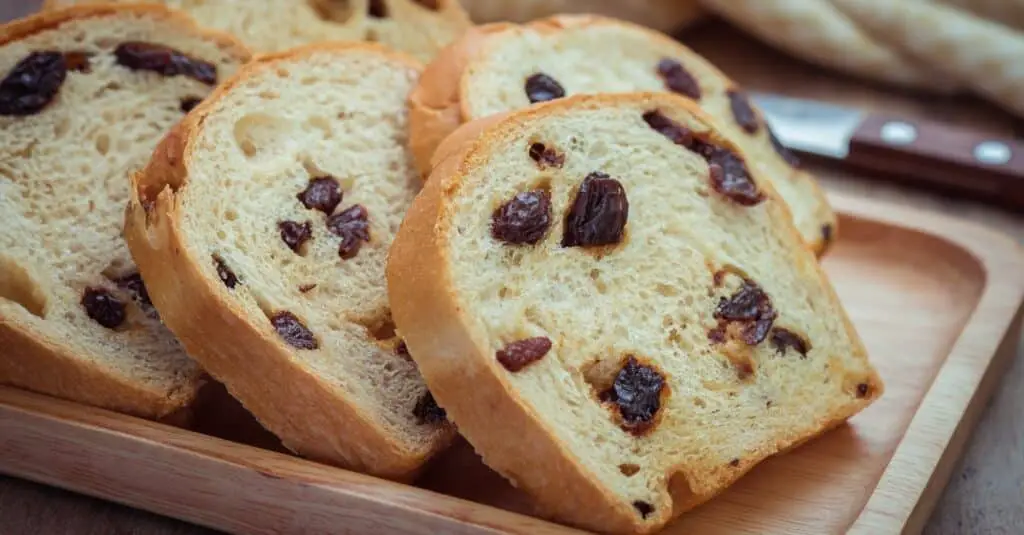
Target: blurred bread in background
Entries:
(663, 15)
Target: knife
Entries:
(956, 160)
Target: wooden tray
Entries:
(938, 302)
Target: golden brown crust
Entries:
(502, 427)
(436, 106)
(305, 411)
(45, 365)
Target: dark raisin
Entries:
(353, 225)
(784, 338)
(77, 61)
(402, 350)
(643, 508)
(134, 284)
(598, 215)
(224, 272)
(782, 150)
(294, 234)
(541, 88)
(518, 355)
(432, 5)
(862, 390)
(378, 9)
(826, 234)
(677, 133)
(322, 193)
(103, 307)
(678, 79)
(306, 288)
(164, 60)
(427, 410)
(189, 103)
(637, 392)
(292, 330)
(717, 335)
(32, 83)
(545, 156)
(730, 177)
(750, 307)
(524, 219)
(742, 112)
(735, 462)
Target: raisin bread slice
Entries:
(615, 309)
(502, 67)
(86, 94)
(261, 226)
(418, 27)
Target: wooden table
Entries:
(985, 495)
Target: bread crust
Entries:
(307, 413)
(467, 381)
(436, 106)
(44, 364)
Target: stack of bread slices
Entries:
(603, 274)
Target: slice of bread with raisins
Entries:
(261, 227)
(418, 27)
(502, 67)
(615, 308)
(86, 93)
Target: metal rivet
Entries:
(898, 133)
(992, 152)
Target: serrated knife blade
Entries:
(968, 163)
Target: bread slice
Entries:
(618, 326)
(418, 27)
(488, 70)
(662, 15)
(75, 119)
(261, 226)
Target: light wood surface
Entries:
(985, 493)
(934, 298)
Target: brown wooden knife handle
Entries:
(956, 160)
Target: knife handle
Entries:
(953, 159)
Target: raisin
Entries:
(643, 508)
(518, 355)
(524, 219)
(224, 272)
(292, 330)
(427, 410)
(678, 79)
(677, 133)
(378, 9)
(322, 193)
(295, 234)
(133, 283)
(541, 88)
(306, 288)
(750, 307)
(402, 350)
(164, 60)
(736, 462)
(782, 151)
(546, 157)
(103, 307)
(353, 225)
(719, 277)
(598, 215)
(826, 234)
(862, 390)
(637, 392)
(77, 61)
(32, 83)
(784, 338)
(432, 5)
(742, 112)
(189, 103)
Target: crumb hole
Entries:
(230, 215)
(103, 144)
(699, 402)
(599, 285)
(332, 10)
(600, 374)
(320, 124)
(379, 326)
(259, 132)
(629, 469)
(667, 290)
(17, 285)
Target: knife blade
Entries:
(956, 160)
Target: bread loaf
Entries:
(86, 94)
(261, 226)
(615, 309)
(502, 67)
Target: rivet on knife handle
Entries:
(956, 160)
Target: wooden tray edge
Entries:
(906, 494)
